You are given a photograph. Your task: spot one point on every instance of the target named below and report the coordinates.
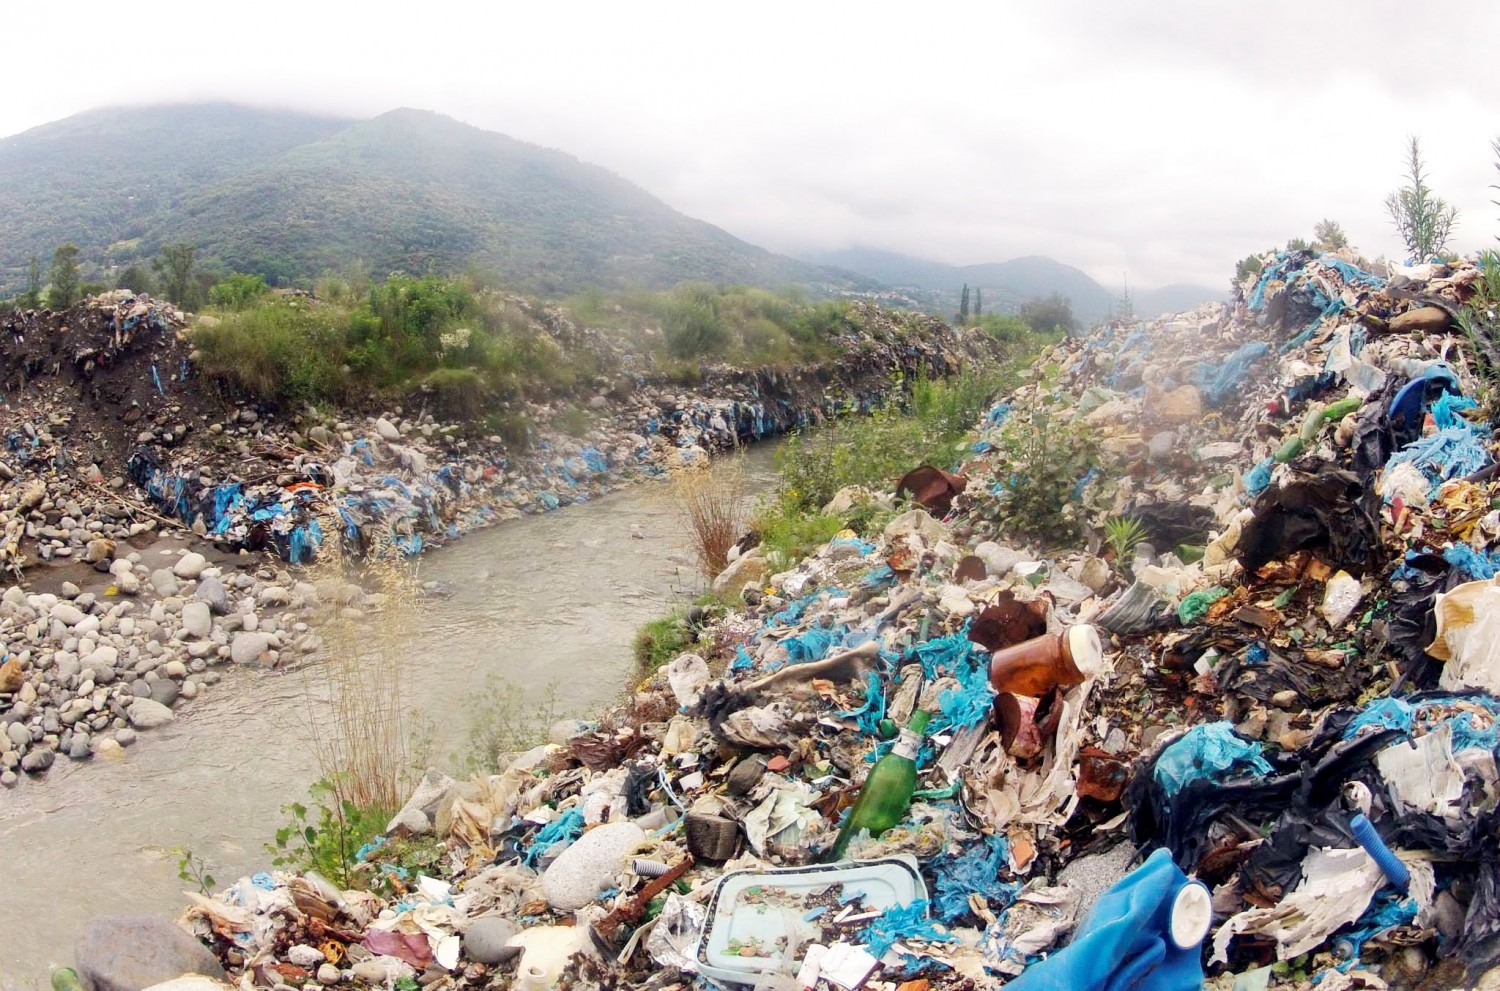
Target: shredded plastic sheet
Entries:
(901, 922)
(869, 715)
(811, 645)
(564, 829)
(1258, 479)
(1195, 606)
(1336, 888)
(1478, 565)
(1220, 382)
(975, 871)
(1207, 751)
(956, 656)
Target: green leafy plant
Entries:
(503, 718)
(1122, 533)
(660, 640)
(326, 838)
(1045, 459)
(1423, 221)
(191, 869)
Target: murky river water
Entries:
(546, 601)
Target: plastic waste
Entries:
(1145, 932)
(1036, 666)
(1390, 865)
(887, 790)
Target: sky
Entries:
(1154, 142)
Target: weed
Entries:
(460, 393)
(191, 869)
(789, 532)
(330, 842)
(711, 499)
(661, 640)
(576, 422)
(503, 720)
(1122, 533)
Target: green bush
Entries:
(459, 393)
(661, 640)
(1046, 458)
(875, 451)
(788, 532)
(237, 292)
(328, 841)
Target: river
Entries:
(548, 604)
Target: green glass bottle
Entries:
(887, 791)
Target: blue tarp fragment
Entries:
(1207, 751)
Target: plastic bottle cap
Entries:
(1086, 649)
(1192, 913)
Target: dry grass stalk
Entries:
(713, 503)
(363, 746)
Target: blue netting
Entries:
(901, 922)
(956, 656)
(869, 715)
(974, 871)
(564, 829)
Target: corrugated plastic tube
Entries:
(1390, 865)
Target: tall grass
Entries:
(712, 501)
(364, 744)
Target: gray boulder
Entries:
(132, 953)
(190, 565)
(148, 714)
(212, 591)
(197, 619)
(249, 648)
(589, 866)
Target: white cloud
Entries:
(1161, 141)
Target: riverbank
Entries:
(1253, 508)
(534, 616)
(118, 438)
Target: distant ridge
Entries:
(289, 195)
(1007, 285)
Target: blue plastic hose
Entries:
(1390, 865)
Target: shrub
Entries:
(711, 500)
(789, 532)
(459, 393)
(1046, 459)
(660, 640)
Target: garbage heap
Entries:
(112, 416)
(1280, 687)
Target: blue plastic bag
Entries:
(1127, 941)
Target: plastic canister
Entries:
(1036, 666)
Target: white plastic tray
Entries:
(734, 917)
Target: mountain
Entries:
(1007, 285)
(291, 195)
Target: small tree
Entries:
(1297, 244)
(32, 297)
(175, 267)
(64, 277)
(136, 278)
(1423, 221)
(1330, 235)
(1049, 314)
(978, 304)
(1125, 305)
(963, 307)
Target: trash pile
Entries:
(1254, 744)
(107, 401)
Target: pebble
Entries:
(249, 647)
(486, 938)
(190, 565)
(197, 619)
(37, 761)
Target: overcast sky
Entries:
(1160, 143)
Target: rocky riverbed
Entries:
(181, 508)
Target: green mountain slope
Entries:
(292, 195)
